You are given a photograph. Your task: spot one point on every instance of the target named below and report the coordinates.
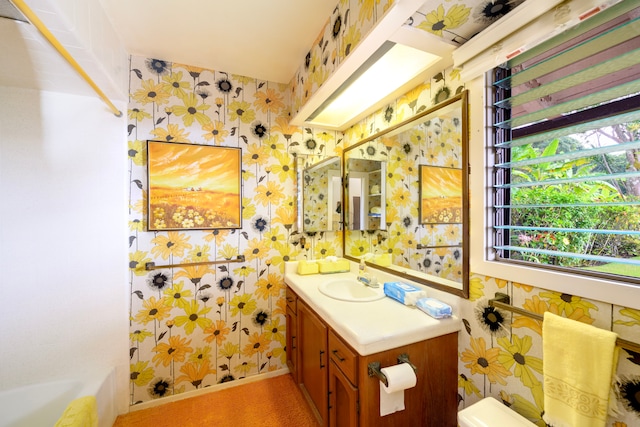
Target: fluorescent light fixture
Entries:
(389, 68)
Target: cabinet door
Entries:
(313, 361)
(292, 343)
(343, 399)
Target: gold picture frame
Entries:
(193, 187)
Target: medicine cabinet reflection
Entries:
(407, 204)
(365, 181)
(322, 196)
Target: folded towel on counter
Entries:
(81, 412)
(579, 366)
(307, 267)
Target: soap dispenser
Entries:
(362, 269)
(365, 277)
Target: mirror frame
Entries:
(450, 286)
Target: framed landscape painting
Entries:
(194, 187)
(440, 195)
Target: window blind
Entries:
(567, 148)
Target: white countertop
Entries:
(375, 326)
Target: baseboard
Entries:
(206, 390)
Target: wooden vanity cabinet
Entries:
(336, 381)
(343, 391)
(292, 333)
(313, 362)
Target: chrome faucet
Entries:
(368, 280)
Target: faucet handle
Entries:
(373, 282)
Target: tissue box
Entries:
(307, 267)
(340, 265)
(403, 292)
(434, 308)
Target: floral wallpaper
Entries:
(198, 325)
(347, 26)
(501, 352)
(458, 21)
(322, 197)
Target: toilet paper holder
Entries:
(374, 368)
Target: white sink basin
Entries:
(350, 290)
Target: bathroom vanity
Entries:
(332, 345)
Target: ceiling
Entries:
(264, 39)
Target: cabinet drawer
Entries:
(292, 300)
(345, 358)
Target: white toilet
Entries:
(490, 413)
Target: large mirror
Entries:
(421, 229)
(322, 196)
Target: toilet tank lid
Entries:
(490, 413)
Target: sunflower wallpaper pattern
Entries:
(347, 26)
(196, 326)
(459, 21)
(500, 353)
(321, 202)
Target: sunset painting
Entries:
(193, 186)
(440, 195)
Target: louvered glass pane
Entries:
(569, 130)
(592, 99)
(572, 155)
(560, 88)
(574, 180)
(568, 255)
(562, 205)
(612, 16)
(569, 230)
(585, 54)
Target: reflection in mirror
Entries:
(424, 230)
(365, 208)
(322, 196)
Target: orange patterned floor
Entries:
(273, 402)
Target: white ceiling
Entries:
(265, 39)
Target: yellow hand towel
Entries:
(81, 412)
(579, 365)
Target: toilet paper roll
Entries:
(399, 377)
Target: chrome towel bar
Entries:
(153, 266)
(503, 301)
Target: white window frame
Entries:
(481, 258)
